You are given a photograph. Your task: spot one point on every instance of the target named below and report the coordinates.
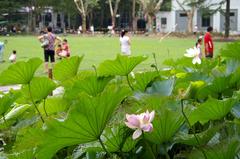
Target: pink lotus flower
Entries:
(139, 123)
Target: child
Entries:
(65, 49)
(58, 49)
(199, 45)
(13, 56)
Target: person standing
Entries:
(1, 51)
(49, 46)
(125, 43)
(2, 47)
(208, 43)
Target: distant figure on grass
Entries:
(58, 50)
(48, 44)
(208, 43)
(195, 30)
(199, 45)
(125, 43)
(2, 47)
(63, 51)
(13, 56)
(92, 29)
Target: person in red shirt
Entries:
(65, 51)
(208, 43)
(65, 48)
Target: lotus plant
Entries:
(140, 123)
(195, 54)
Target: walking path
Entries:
(6, 89)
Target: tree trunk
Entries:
(84, 23)
(134, 18)
(190, 15)
(33, 27)
(150, 24)
(54, 19)
(69, 21)
(227, 19)
(113, 21)
(102, 18)
(190, 22)
(62, 17)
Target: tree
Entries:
(150, 8)
(227, 19)
(113, 11)
(189, 7)
(83, 7)
(134, 17)
(65, 7)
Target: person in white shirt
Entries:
(125, 43)
(13, 56)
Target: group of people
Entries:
(12, 57)
(208, 43)
(48, 42)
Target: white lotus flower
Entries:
(195, 54)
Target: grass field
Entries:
(97, 49)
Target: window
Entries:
(163, 22)
(232, 14)
(206, 21)
(183, 14)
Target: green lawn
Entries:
(100, 48)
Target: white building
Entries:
(176, 19)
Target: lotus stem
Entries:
(155, 61)
(4, 120)
(44, 107)
(95, 70)
(129, 83)
(34, 102)
(194, 133)
(103, 146)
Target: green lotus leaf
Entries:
(91, 85)
(67, 68)
(143, 79)
(192, 89)
(216, 88)
(119, 139)
(224, 150)
(165, 125)
(6, 102)
(122, 65)
(20, 73)
(231, 51)
(203, 137)
(26, 154)
(54, 105)
(16, 111)
(212, 109)
(40, 88)
(84, 123)
(163, 88)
